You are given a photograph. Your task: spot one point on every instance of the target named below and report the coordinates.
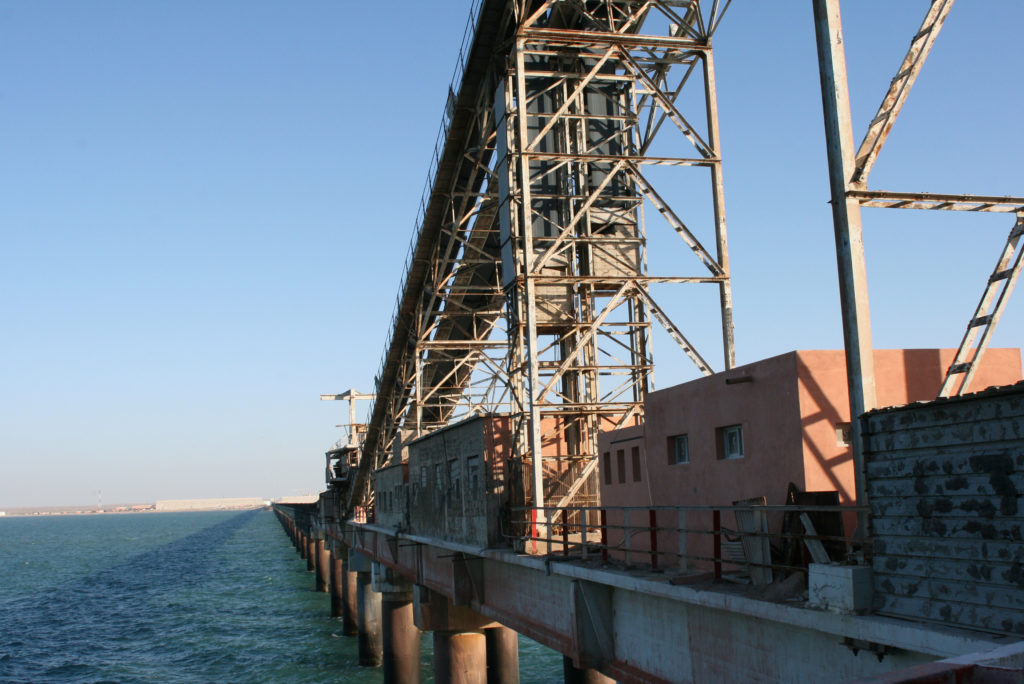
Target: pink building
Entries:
(750, 431)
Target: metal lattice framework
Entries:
(536, 218)
(588, 101)
(850, 170)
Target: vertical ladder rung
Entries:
(980, 320)
(958, 368)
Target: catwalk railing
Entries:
(706, 541)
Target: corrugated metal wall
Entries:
(945, 484)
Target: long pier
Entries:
(469, 503)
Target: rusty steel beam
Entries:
(899, 88)
(935, 201)
(853, 290)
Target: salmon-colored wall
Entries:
(789, 407)
(628, 493)
(902, 376)
(765, 405)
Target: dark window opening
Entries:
(678, 449)
(729, 441)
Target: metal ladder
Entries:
(986, 316)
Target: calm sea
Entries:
(176, 597)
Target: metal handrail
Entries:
(572, 531)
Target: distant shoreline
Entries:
(166, 506)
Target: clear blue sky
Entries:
(205, 207)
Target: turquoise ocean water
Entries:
(176, 597)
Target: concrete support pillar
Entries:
(349, 599)
(460, 657)
(502, 655)
(310, 553)
(370, 646)
(576, 675)
(460, 647)
(401, 637)
(301, 544)
(323, 566)
(337, 572)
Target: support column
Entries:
(323, 566)
(337, 572)
(349, 598)
(310, 553)
(502, 655)
(370, 646)
(460, 657)
(576, 675)
(460, 647)
(853, 284)
(301, 545)
(401, 638)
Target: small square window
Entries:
(730, 442)
(678, 449)
(844, 434)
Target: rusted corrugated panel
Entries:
(945, 485)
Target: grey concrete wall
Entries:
(453, 489)
(945, 482)
(392, 492)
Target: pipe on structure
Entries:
(323, 566)
(502, 655)
(460, 657)
(576, 675)
(401, 637)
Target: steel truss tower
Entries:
(535, 218)
(589, 103)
